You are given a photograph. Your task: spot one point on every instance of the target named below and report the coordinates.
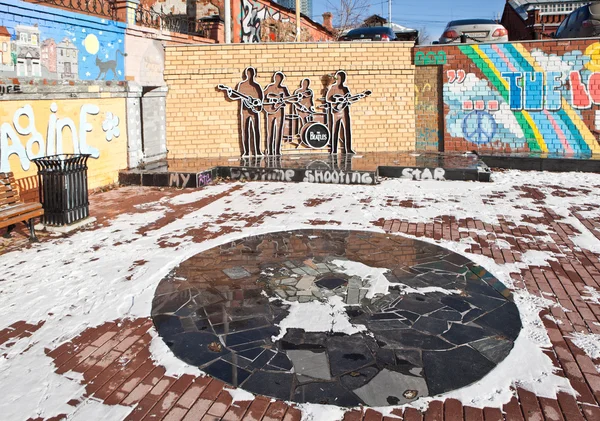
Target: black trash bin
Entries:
(63, 188)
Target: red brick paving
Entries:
(117, 368)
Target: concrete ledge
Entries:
(66, 229)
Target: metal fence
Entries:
(95, 7)
(182, 24)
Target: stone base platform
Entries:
(329, 169)
(532, 161)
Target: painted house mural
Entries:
(523, 97)
(60, 45)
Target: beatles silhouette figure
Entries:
(315, 130)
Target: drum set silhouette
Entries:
(293, 119)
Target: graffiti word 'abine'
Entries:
(36, 146)
(537, 91)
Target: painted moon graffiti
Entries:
(336, 317)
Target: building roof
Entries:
(521, 6)
(378, 20)
(4, 32)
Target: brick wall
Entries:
(540, 96)
(429, 134)
(202, 122)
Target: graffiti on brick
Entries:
(479, 127)
(457, 76)
(430, 58)
(424, 174)
(179, 180)
(262, 174)
(204, 178)
(338, 177)
(524, 97)
(75, 129)
(293, 119)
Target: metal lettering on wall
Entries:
(293, 118)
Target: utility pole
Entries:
(227, 21)
(297, 20)
(390, 13)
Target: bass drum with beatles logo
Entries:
(315, 135)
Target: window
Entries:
(5, 46)
(23, 37)
(34, 39)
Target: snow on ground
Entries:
(589, 343)
(91, 277)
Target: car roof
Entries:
(471, 22)
(370, 30)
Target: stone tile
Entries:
(454, 368)
(309, 363)
(325, 394)
(305, 283)
(348, 353)
(236, 272)
(277, 385)
(494, 349)
(392, 388)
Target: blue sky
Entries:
(430, 14)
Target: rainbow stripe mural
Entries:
(524, 101)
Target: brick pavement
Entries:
(117, 368)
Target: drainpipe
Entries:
(297, 20)
(227, 21)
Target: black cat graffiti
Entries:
(109, 65)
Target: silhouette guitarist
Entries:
(276, 97)
(339, 100)
(306, 104)
(250, 108)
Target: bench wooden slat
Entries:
(17, 210)
(21, 218)
(12, 208)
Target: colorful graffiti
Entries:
(56, 44)
(33, 129)
(253, 14)
(526, 100)
(430, 58)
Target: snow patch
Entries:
(317, 316)
(588, 343)
(378, 283)
(593, 295)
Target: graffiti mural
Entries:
(57, 44)
(33, 129)
(510, 97)
(253, 15)
(293, 119)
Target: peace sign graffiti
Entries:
(479, 127)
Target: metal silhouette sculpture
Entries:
(307, 125)
(277, 96)
(339, 99)
(250, 95)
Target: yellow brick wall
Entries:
(202, 122)
(29, 129)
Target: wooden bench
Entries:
(13, 210)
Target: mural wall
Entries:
(264, 21)
(535, 96)
(50, 43)
(37, 128)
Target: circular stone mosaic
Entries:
(336, 317)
